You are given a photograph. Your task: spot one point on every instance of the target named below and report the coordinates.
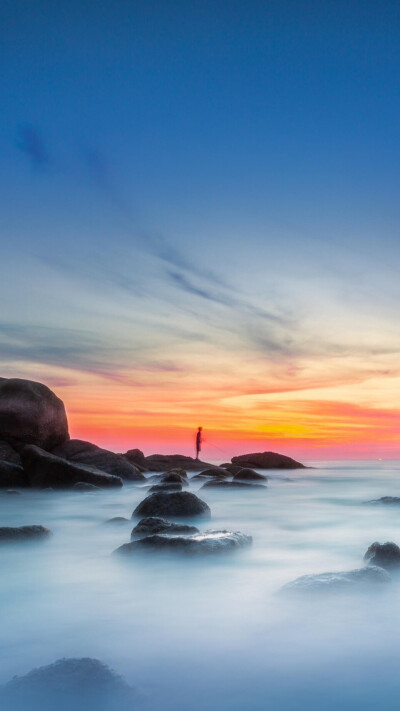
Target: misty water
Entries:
(213, 632)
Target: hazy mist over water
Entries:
(213, 632)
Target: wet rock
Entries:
(8, 453)
(85, 486)
(267, 460)
(166, 462)
(205, 542)
(179, 504)
(153, 524)
(23, 533)
(338, 582)
(386, 555)
(78, 684)
(82, 452)
(117, 520)
(174, 478)
(165, 487)
(386, 500)
(30, 413)
(46, 470)
(222, 484)
(249, 475)
(12, 475)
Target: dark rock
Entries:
(165, 487)
(205, 542)
(77, 450)
(337, 582)
(181, 503)
(223, 484)
(166, 462)
(205, 477)
(12, 475)
(8, 453)
(30, 413)
(216, 472)
(153, 524)
(23, 533)
(44, 470)
(85, 486)
(117, 520)
(136, 457)
(78, 684)
(12, 492)
(386, 500)
(386, 555)
(174, 478)
(232, 468)
(267, 460)
(249, 475)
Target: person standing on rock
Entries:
(199, 440)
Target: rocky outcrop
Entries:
(166, 462)
(46, 470)
(12, 475)
(249, 475)
(267, 460)
(386, 555)
(179, 504)
(206, 542)
(338, 582)
(30, 413)
(23, 533)
(78, 684)
(136, 457)
(153, 524)
(82, 452)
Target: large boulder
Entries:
(153, 524)
(205, 542)
(361, 578)
(12, 475)
(136, 457)
(46, 470)
(386, 555)
(30, 413)
(77, 450)
(23, 533)
(166, 462)
(267, 460)
(179, 504)
(78, 684)
(8, 453)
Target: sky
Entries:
(200, 221)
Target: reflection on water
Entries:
(212, 633)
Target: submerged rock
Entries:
(267, 460)
(47, 470)
(117, 520)
(249, 475)
(30, 413)
(222, 484)
(165, 487)
(23, 533)
(338, 582)
(12, 475)
(180, 503)
(386, 555)
(82, 452)
(215, 473)
(174, 477)
(153, 524)
(85, 486)
(207, 542)
(78, 684)
(166, 462)
(232, 468)
(386, 500)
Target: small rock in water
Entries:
(338, 582)
(12, 491)
(386, 555)
(386, 500)
(165, 487)
(23, 533)
(79, 684)
(221, 473)
(222, 484)
(175, 504)
(154, 524)
(249, 475)
(85, 486)
(205, 542)
(117, 520)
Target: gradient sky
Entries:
(200, 220)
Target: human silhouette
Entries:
(199, 440)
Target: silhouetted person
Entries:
(199, 440)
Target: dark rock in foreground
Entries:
(166, 462)
(8, 453)
(78, 684)
(386, 555)
(47, 470)
(136, 457)
(12, 475)
(338, 582)
(154, 524)
(222, 484)
(180, 504)
(30, 413)
(249, 475)
(267, 460)
(81, 452)
(23, 533)
(207, 542)
(174, 477)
